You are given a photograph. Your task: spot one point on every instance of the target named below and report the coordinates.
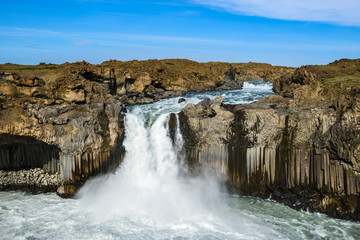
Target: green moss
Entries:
(336, 86)
(350, 173)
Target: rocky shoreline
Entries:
(33, 180)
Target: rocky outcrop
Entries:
(34, 180)
(68, 119)
(65, 122)
(137, 81)
(148, 81)
(307, 158)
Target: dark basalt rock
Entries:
(296, 156)
(181, 100)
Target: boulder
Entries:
(181, 100)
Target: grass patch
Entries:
(336, 86)
(15, 67)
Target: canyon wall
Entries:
(64, 122)
(301, 150)
(67, 119)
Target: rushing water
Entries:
(150, 197)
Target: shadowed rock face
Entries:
(298, 151)
(19, 152)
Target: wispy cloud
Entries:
(30, 30)
(110, 39)
(187, 13)
(119, 13)
(19, 38)
(345, 12)
(35, 46)
(82, 43)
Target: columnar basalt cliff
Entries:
(63, 124)
(68, 119)
(301, 147)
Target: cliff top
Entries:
(328, 82)
(338, 81)
(159, 66)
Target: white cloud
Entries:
(341, 12)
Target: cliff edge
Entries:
(301, 147)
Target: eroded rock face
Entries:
(148, 81)
(303, 154)
(68, 118)
(294, 155)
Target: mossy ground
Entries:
(339, 85)
(29, 70)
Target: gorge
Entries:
(300, 147)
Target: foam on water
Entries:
(147, 188)
(152, 197)
(258, 86)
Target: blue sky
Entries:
(280, 32)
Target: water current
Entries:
(151, 197)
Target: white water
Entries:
(152, 197)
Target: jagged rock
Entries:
(181, 100)
(296, 155)
(75, 128)
(68, 118)
(35, 180)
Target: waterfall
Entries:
(148, 183)
(149, 197)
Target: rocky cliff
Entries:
(63, 124)
(67, 119)
(301, 147)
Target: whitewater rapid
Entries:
(151, 196)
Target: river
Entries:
(151, 196)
